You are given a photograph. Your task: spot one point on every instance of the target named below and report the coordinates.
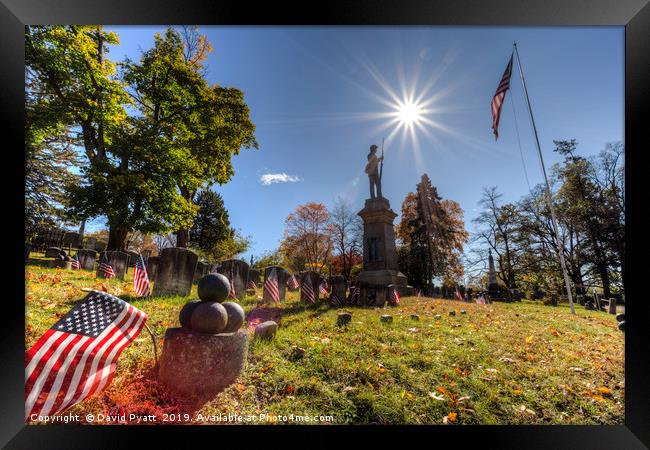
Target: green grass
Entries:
(517, 363)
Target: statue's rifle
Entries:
(381, 166)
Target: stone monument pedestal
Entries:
(380, 266)
(198, 365)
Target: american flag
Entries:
(308, 289)
(252, 285)
(323, 288)
(356, 294)
(105, 268)
(292, 282)
(233, 292)
(272, 287)
(459, 296)
(336, 300)
(75, 262)
(419, 293)
(481, 300)
(76, 358)
(141, 284)
(499, 96)
(394, 296)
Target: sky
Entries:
(320, 96)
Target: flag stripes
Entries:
(272, 287)
(499, 97)
(307, 289)
(141, 283)
(105, 268)
(76, 357)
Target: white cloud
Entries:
(270, 178)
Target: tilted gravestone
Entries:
(236, 271)
(54, 252)
(118, 260)
(87, 259)
(282, 276)
(90, 244)
(202, 269)
(133, 257)
(175, 273)
(307, 279)
(339, 287)
(152, 267)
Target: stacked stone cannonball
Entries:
(210, 313)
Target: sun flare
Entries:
(409, 113)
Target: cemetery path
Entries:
(261, 314)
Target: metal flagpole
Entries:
(548, 188)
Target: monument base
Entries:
(374, 285)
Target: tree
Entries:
(432, 235)
(347, 233)
(307, 241)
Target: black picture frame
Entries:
(634, 15)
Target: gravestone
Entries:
(612, 306)
(254, 276)
(237, 271)
(118, 260)
(100, 246)
(54, 252)
(282, 276)
(133, 257)
(202, 268)
(339, 287)
(152, 267)
(91, 243)
(87, 259)
(71, 239)
(313, 279)
(176, 267)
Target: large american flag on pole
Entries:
(77, 356)
(271, 286)
(141, 282)
(105, 268)
(499, 97)
(308, 289)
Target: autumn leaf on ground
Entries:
(433, 395)
(554, 332)
(290, 389)
(529, 339)
(450, 418)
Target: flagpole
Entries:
(548, 187)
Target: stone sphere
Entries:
(209, 317)
(186, 313)
(235, 317)
(213, 287)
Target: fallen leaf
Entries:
(529, 339)
(433, 395)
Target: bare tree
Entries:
(347, 234)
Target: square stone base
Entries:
(374, 285)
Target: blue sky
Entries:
(320, 97)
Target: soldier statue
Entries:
(372, 169)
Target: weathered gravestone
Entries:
(309, 280)
(133, 257)
(91, 243)
(152, 267)
(339, 288)
(117, 260)
(612, 306)
(175, 272)
(237, 271)
(202, 269)
(278, 274)
(254, 276)
(54, 252)
(71, 239)
(100, 246)
(87, 259)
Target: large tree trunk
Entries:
(604, 278)
(117, 238)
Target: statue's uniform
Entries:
(372, 169)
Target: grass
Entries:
(516, 363)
